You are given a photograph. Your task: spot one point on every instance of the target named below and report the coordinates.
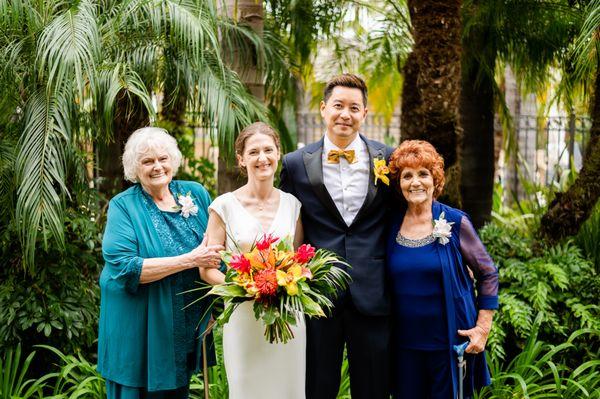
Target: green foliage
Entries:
(217, 378)
(58, 304)
(541, 370)
(200, 170)
(556, 282)
(588, 238)
(65, 65)
(13, 373)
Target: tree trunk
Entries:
(130, 114)
(477, 120)
(567, 212)
(248, 12)
(431, 92)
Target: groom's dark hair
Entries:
(346, 80)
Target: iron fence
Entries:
(376, 127)
(546, 147)
(549, 146)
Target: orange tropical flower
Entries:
(266, 282)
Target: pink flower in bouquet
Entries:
(240, 263)
(266, 242)
(266, 282)
(305, 253)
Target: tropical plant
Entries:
(432, 76)
(556, 282)
(13, 373)
(540, 370)
(571, 208)
(71, 72)
(57, 305)
(588, 238)
(76, 378)
(530, 37)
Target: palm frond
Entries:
(69, 47)
(587, 45)
(109, 83)
(221, 97)
(40, 165)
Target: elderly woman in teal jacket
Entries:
(151, 331)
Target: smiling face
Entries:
(155, 170)
(260, 157)
(417, 185)
(343, 113)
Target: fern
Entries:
(557, 283)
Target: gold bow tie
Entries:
(333, 156)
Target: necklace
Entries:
(264, 203)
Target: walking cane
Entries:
(462, 366)
(209, 328)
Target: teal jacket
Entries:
(137, 328)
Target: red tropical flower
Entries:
(240, 263)
(266, 282)
(305, 253)
(265, 242)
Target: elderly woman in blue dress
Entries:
(150, 339)
(433, 251)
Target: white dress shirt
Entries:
(346, 183)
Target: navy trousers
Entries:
(367, 343)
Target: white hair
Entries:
(144, 140)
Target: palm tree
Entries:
(430, 96)
(567, 212)
(69, 68)
(530, 36)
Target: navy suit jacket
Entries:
(362, 243)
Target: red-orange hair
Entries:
(418, 154)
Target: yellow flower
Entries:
(381, 171)
(290, 279)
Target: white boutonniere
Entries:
(442, 229)
(187, 206)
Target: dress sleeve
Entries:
(120, 248)
(480, 262)
(218, 206)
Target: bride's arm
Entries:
(299, 234)
(216, 235)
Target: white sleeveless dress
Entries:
(255, 368)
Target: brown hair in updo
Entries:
(251, 130)
(418, 154)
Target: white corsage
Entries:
(187, 206)
(442, 229)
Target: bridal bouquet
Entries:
(284, 284)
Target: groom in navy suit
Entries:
(345, 209)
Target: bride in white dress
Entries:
(255, 368)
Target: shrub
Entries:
(57, 303)
(540, 371)
(556, 282)
(589, 237)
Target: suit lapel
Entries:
(372, 189)
(314, 169)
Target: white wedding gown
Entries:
(255, 368)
